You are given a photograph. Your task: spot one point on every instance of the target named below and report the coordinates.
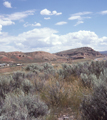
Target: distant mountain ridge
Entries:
(103, 52)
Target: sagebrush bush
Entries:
(88, 80)
(35, 106)
(60, 88)
(94, 107)
(55, 94)
(5, 85)
(38, 85)
(22, 108)
(95, 67)
(18, 78)
(27, 86)
(45, 68)
(22, 80)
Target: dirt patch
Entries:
(10, 69)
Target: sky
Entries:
(52, 25)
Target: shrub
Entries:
(22, 108)
(94, 107)
(18, 78)
(45, 68)
(38, 85)
(5, 85)
(27, 86)
(88, 80)
(55, 94)
(35, 106)
(30, 75)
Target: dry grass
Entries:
(8, 70)
(64, 95)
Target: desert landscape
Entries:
(16, 60)
(53, 59)
(58, 86)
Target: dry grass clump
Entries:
(61, 94)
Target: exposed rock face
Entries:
(83, 52)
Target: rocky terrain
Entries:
(80, 53)
(41, 56)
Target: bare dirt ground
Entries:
(6, 70)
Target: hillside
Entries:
(41, 56)
(38, 56)
(80, 53)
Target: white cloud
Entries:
(45, 12)
(55, 13)
(6, 22)
(35, 24)
(20, 15)
(47, 18)
(82, 13)
(61, 23)
(80, 16)
(103, 12)
(7, 19)
(79, 22)
(48, 12)
(47, 39)
(75, 17)
(7, 4)
(59, 13)
(0, 27)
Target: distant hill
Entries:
(103, 52)
(20, 57)
(41, 56)
(80, 53)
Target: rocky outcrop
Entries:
(83, 52)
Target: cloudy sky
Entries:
(52, 25)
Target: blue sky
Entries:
(52, 25)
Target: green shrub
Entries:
(55, 94)
(88, 80)
(94, 107)
(18, 77)
(36, 68)
(22, 108)
(20, 80)
(27, 86)
(5, 85)
(38, 85)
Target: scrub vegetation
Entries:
(45, 92)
